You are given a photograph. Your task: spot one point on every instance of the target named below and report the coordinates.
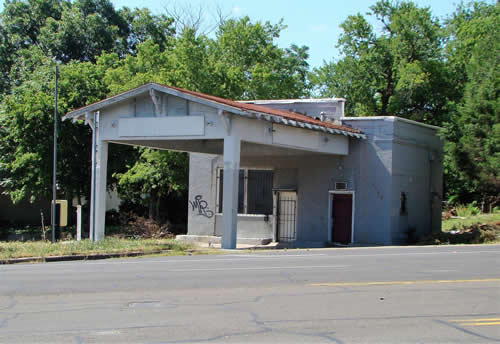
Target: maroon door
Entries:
(342, 218)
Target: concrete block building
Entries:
(292, 171)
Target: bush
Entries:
(467, 210)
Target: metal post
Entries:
(54, 168)
(43, 225)
(78, 222)
(92, 182)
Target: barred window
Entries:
(255, 194)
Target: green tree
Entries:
(157, 174)
(473, 133)
(242, 62)
(144, 26)
(20, 25)
(247, 64)
(32, 34)
(80, 34)
(27, 119)
(62, 30)
(400, 71)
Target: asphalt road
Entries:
(348, 295)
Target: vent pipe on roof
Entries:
(330, 117)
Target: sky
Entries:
(313, 23)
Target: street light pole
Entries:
(54, 167)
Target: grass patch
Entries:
(86, 247)
(473, 229)
(453, 224)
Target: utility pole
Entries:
(54, 168)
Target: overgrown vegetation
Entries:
(466, 234)
(453, 223)
(466, 226)
(85, 247)
(467, 210)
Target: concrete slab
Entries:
(215, 241)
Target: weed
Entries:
(109, 245)
(467, 210)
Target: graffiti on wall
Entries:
(201, 206)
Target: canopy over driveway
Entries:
(166, 117)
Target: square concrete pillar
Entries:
(98, 192)
(230, 191)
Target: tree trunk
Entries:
(157, 208)
(151, 215)
(387, 92)
(386, 95)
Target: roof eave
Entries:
(75, 114)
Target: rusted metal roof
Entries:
(239, 108)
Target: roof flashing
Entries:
(391, 119)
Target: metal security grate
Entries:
(286, 213)
(255, 195)
(260, 192)
(241, 191)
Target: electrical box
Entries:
(61, 212)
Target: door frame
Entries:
(331, 193)
(275, 209)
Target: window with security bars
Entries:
(255, 195)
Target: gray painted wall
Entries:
(396, 157)
(202, 182)
(417, 163)
(249, 226)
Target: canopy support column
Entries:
(232, 146)
(98, 185)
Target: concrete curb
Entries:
(78, 257)
(199, 250)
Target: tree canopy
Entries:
(103, 51)
(397, 60)
(398, 70)
(472, 137)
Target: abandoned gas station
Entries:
(294, 171)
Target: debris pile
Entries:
(471, 234)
